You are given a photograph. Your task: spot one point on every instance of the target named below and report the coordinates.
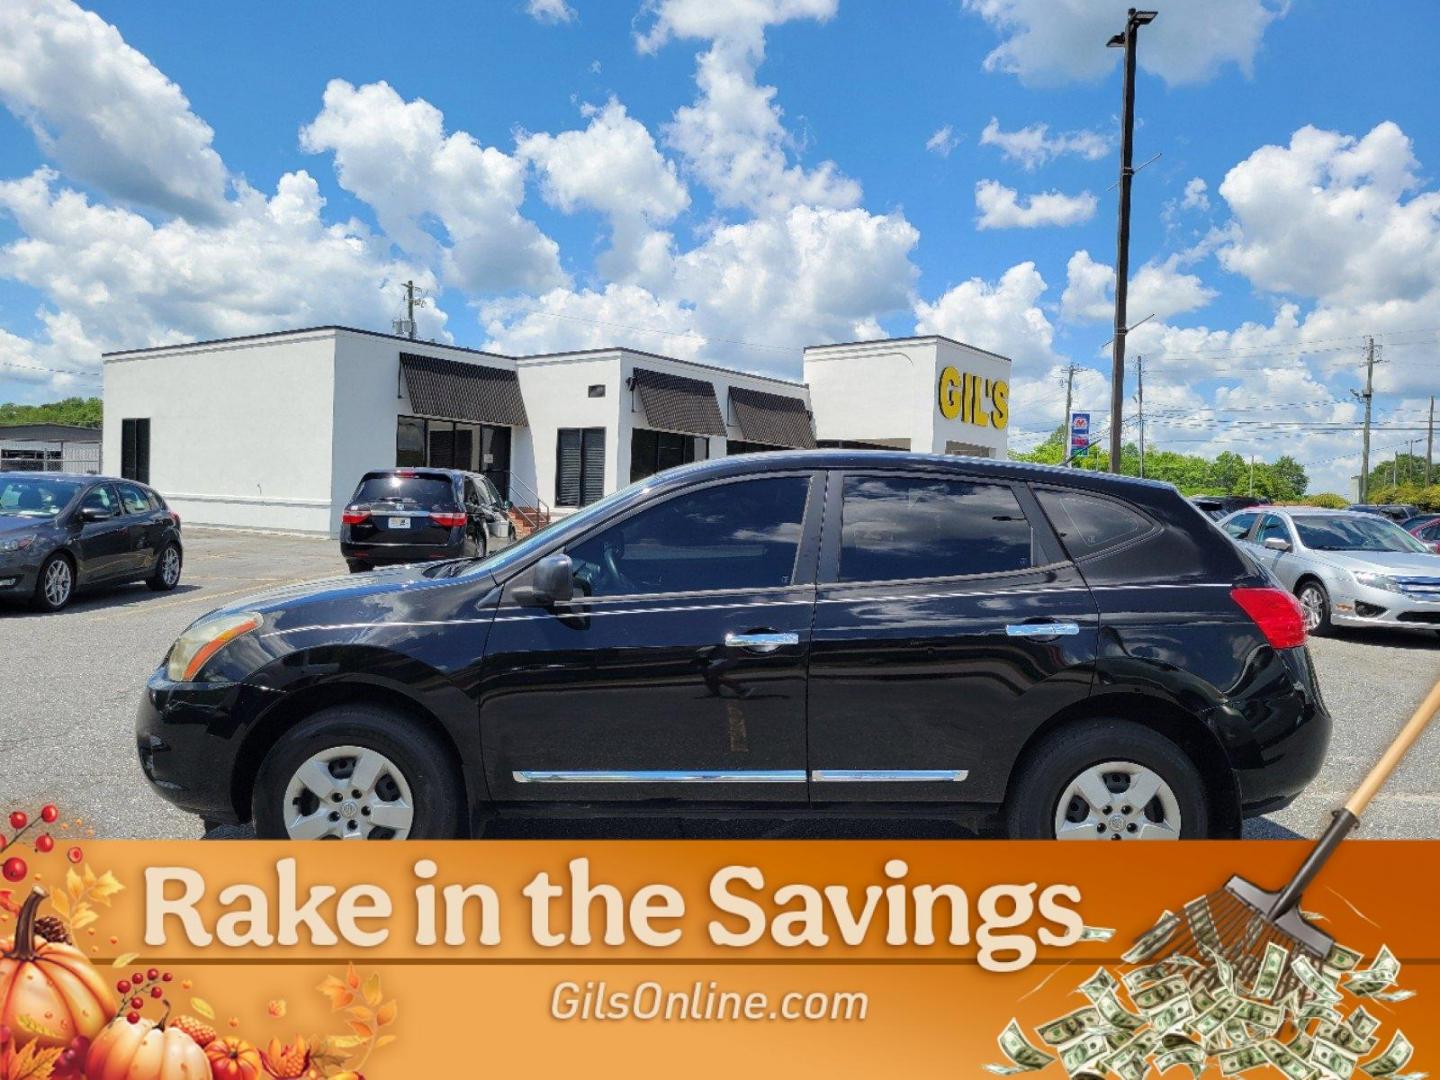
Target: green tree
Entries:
(82, 412)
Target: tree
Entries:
(1400, 470)
(1290, 475)
(82, 412)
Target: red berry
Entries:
(44, 843)
(75, 854)
(152, 974)
(166, 977)
(156, 992)
(19, 819)
(49, 814)
(123, 986)
(133, 1017)
(137, 1003)
(138, 978)
(15, 869)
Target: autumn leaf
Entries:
(352, 977)
(83, 917)
(105, 887)
(342, 1043)
(33, 1063)
(35, 1027)
(383, 1041)
(124, 959)
(386, 1013)
(73, 885)
(59, 901)
(372, 990)
(203, 1007)
(365, 1031)
(339, 994)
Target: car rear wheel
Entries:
(1315, 606)
(357, 772)
(55, 585)
(167, 569)
(1108, 780)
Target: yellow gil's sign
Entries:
(982, 402)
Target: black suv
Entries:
(806, 632)
(415, 515)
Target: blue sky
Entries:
(654, 174)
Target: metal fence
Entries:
(66, 458)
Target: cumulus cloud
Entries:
(104, 113)
(740, 22)
(1045, 42)
(1033, 146)
(943, 141)
(396, 156)
(1002, 207)
(1004, 317)
(1195, 197)
(1158, 288)
(550, 11)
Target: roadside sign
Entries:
(1079, 434)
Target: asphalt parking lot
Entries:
(70, 684)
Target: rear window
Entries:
(1090, 523)
(420, 490)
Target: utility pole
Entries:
(1366, 397)
(1069, 395)
(1140, 403)
(1133, 21)
(1252, 476)
(413, 298)
(1430, 441)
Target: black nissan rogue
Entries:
(813, 632)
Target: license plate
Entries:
(399, 523)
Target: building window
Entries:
(135, 449)
(654, 451)
(455, 444)
(579, 466)
(596, 390)
(410, 442)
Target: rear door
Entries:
(145, 527)
(948, 625)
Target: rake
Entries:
(1239, 921)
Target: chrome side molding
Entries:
(887, 776)
(1042, 629)
(659, 776)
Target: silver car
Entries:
(1346, 568)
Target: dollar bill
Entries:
(1333, 1059)
(1302, 1044)
(1223, 971)
(1102, 982)
(1213, 1018)
(1115, 1014)
(1070, 1027)
(1396, 1056)
(1342, 959)
(1202, 923)
(1361, 1022)
(1153, 940)
(1023, 1056)
(1391, 996)
(1160, 994)
(1318, 986)
(1097, 933)
(1083, 1052)
(1149, 973)
(1272, 966)
(1345, 1037)
(1267, 1017)
(1191, 1056)
(1287, 1061)
(1380, 975)
(1173, 1015)
(1242, 1059)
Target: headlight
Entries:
(196, 646)
(19, 543)
(1376, 581)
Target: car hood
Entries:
(349, 589)
(10, 523)
(1385, 562)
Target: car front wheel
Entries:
(1108, 780)
(1315, 606)
(357, 772)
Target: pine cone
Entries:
(52, 929)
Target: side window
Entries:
(1239, 525)
(1272, 526)
(1089, 523)
(743, 535)
(101, 498)
(472, 495)
(899, 527)
(133, 499)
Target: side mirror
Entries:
(1275, 543)
(552, 581)
(94, 513)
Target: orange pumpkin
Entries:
(145, 1051)
(50, 984)
(233, 1059)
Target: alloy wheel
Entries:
(348, 793)
(1118, 800)
(59, 581)
(170, 566)
(1312, 605)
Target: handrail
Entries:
(541, 509)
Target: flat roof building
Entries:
(274, 430)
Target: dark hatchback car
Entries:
(417, 515)
(61, 533)
(805, 632)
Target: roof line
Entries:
(916, 337)
(303, 330)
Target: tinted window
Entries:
(1089, 523)
(134, 500)
(1272, 526)
(418, 491)
(1321, 532)
(731, 536)
(100, 498)
(897, 527)
(1239, 525)
(35, 498)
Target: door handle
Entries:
(761, 641)
(1042, 629)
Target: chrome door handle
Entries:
(762, 642)
(1042, 629)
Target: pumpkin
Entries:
(233, 1059)
(145, 1050)
(50, 985)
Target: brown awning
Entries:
(459, 391)
(772, 419)
(675, 403)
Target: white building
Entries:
(274, 430)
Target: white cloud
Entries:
(104, 113)
(1195, 197)
(943, 141)
(1004, 317)
(1033, 146)
(550, 11)
(396, 156)
(742, 22)
(1047, 42)
(1001, 207)
(1157, 288)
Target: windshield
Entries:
(416, 491)
(1354, 533)
(34, 498)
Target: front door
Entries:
(949, 624)
(105, 547)
(1273, 527)
(678, 672)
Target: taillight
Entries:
(354, 515)
(175, 518)
(1276, 613)
(448, 518)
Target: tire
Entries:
(356, 566)
(167, 569)
(408, 767)
(1066, 755)
(1321, 612)
(55, 584)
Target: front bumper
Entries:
(1353, 604)
(19, 571)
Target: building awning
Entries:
(772, 419)
(674, 403)
(459, 391)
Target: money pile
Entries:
(1180, 1010)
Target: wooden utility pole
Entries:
(1140, 404)
(1069, 396)
(1366, 397)
(1430, 441)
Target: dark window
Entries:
(596, 390)
(654, 451)
(101, 498)
(495, 457)
(579, 466)
(26, 497)
(731, 536)
(740, 446)
(898, 527)
(1239, 525)
(133, 499)
(1272, 526)
(1091, 523)
(135, 449)
(410, 442)
(1431, 532)
(422, 491)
